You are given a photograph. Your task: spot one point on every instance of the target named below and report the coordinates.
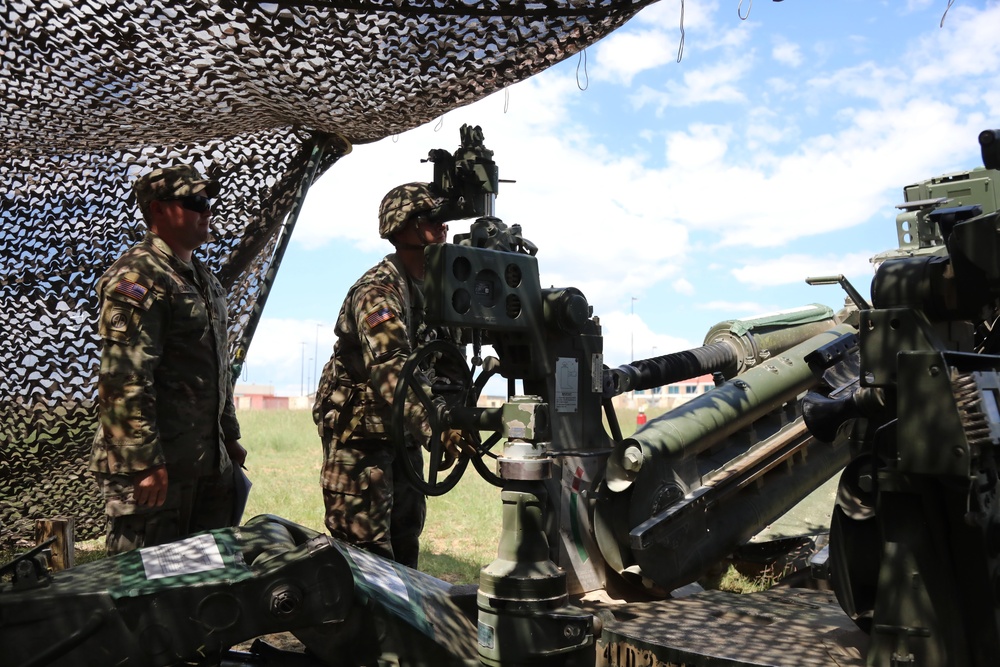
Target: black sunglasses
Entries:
(417, 219)
(196, 203)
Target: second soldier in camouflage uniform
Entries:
(369, 502)
(168, 435)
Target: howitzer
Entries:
(584, 509)
(547, 340)
(913, 535)
(905, 391)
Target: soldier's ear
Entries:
(155, 213)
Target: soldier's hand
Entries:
(237, 452)
(454, 445)
(151, 487)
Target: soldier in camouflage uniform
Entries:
(369, 501)
(164, 450)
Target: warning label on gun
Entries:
(567, 384)
(189, 556)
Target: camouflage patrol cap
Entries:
(402, 202)
(174, 182)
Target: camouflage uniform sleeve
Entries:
(133, 318)
(230, 425)
(381, 321)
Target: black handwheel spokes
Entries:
(490, 367)
(482, 452)
(438, 400)
(413, 384)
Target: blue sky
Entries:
(705, 190)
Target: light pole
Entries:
(302, 375)
(631, 320)
(316, 356)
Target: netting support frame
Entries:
(317, 147)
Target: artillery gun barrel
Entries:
(669, 368)
(707, 419)
(730, 348)
(725, 448)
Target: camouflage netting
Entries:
(93, 93)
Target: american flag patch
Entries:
(131, 290)
(379, 316)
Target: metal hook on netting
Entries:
(395, 138)
(739, 10)
(950, 3)
(680, 47)
(586, 76)
(440, 124)
(506, 99)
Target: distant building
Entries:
(261, 397)
(258, 397)
(668, 397)
(490, 401)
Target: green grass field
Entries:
(284, 461)
(285, 456)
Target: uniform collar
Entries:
(159, 244)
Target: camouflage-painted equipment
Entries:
(189, 601)
(465, 185)
(912, 553)
(467, 178)
(909, 382)
(643, 522)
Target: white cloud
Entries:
(780, 86)
(627, 336)
(789, 269)
(887, 85)
(965, 46)
(667, 13)
(626, 53)
(623, 55)
(343, 204)
(830, 182)
(684, 286)
(288, 354)
(701, 146)
(787, 53)
(765, 129)
(712, 83)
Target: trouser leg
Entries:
(358, 494)
(409, 511)
(193, 504)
